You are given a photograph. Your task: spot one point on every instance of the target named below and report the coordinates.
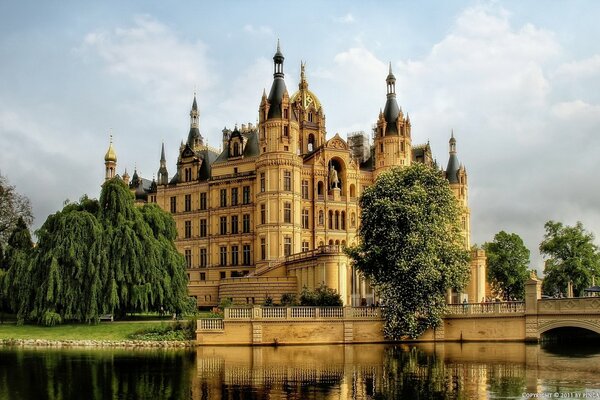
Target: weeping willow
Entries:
(98, 257)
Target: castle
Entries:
(270, 213)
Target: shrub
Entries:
(321, 296)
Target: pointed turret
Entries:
(110, 162)
(163, 174)
(194, 139)
(278, 88)
(391, 110)
(453, 164)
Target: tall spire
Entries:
(110, 161)
(278, 88)
(194, 138)
(303, 83)
(453, 164)
(391, 83)
(391, 110)
(163, 174)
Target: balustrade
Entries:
(486, 308)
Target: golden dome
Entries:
(307, 97)
(111, 155)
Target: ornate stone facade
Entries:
(269, 213)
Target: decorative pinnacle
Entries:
(278, 47)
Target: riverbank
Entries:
(105, 334)
(97, 343)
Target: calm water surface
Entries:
(441, 371)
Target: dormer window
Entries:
(236, 149)
(310, 117)
(285, 113)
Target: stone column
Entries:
(533, 292)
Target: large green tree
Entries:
(571, 256)
(97, 257)
(17, 263)
(13, 207)
(411, 247)
(508, 260)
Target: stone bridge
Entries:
(527, 320)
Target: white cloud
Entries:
(580, 68)
(258, 30)
(151, 55)
(345, 19)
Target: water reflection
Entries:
(423, 371)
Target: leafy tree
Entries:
(322, 296)
(412, 248)
(508, 260)
(13, 207)
(96, 257)
(17, 262)
(571, 256)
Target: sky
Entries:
(518, 82)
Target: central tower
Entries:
(278, 170)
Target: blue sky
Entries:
(517, 81)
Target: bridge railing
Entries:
(289, 314)
(508, 307)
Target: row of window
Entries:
(234, 199)
(234, 226)
(226, 258)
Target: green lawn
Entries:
(102, 331)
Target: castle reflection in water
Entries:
(447, 371)
(408, 371)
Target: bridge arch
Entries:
(570, 323)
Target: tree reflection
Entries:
(96, 374)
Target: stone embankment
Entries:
(96, 343)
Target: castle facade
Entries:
(269, 213)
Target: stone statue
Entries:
(334, 182)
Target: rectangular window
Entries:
(234, 196)
(246, 223)
(304, 247)
(305, 219)
(223, 226)
(203, 201)
(263, 214)
(203, 230)
(188, 258)
(222, 274)
(263, 248)
(287, 212)
(223, 197)
(188, 202)
(287, 246)
(202, 276)
(234, 224)
(188, 229)
(203, 257)
(305, 190)
(262, 182)
(246, 195)
(286, 131)
(234, 255)
(246, 254)
(173, 204)
(287, 180)
(223, 255)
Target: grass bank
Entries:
(114, 331)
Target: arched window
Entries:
(331, 242)
(343, 220)
(320, 217)
(311, 142)
(321, 243)
(337, 220)
(330, 219)
(337, 242)
(320, 188)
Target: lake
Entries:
(411, 371)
